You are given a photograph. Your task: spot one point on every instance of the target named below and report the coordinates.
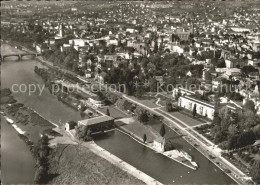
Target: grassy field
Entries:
(115, 113)
(75, 164)
(146, 100)
(139, 130)
(187, 120)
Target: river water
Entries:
(158, 166)
(17, 163)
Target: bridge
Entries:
(19, 56)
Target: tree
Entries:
(153, 85)
(40, 175)
(208, 76)
(5, 92)
(143, 117)
(250, 105)
(82, 114)
(216, 120)
(44, 140)
(162, 130)
(139, 92)
(144, 138)
(248, 69)
(42, 161)
(232, 129)
(240, 140)
(155, 47)
(194, 111)
(108, 112)
(255, 171)
(168, 106)
(83, 133)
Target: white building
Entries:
(131, 30)
(96, 101)
(240, 29)
(177, 49)
(203, 108)
(233, 72)
(159, 144)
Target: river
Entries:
(156, 165)
(15, 73)
(17, 163)
(161, 167)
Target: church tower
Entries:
(61, 31)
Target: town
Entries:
(159, 73)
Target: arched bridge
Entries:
(19, 56)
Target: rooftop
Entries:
(208, 104)
(95, 120)
(159, 140)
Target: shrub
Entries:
(83, 133)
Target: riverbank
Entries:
(18, 46)
(67, 162)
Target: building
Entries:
(203, 108)
(181, 92)
(216, 83)
(233, 72)
(97, 124)
(41, 47)
(240, 29)
(96, 101)
(161, 144)
(70, 125)
(182, 34)
(253, 63)
(177, 49)
(232, 63)
(60, 33)
(101, 77)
